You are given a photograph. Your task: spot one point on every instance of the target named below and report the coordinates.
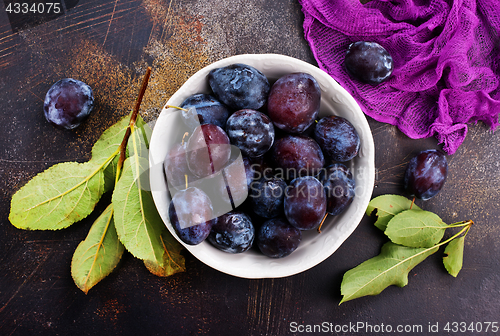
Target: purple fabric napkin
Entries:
(446, 60)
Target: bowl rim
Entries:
(367, 143)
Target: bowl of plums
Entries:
(261, 165)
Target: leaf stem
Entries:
(133, 119)
(465, 229)
(460, 224)
(468, 227)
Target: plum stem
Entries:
(176, 107)
(322, 221)
(182, 143)
(183, 137)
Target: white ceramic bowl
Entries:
(315, 247)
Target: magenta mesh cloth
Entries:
(446, 60)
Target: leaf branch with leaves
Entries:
(68, 192)
(415, 234)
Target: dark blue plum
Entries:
(239, 86)
(250, 170)
(339, 187)
(426, 174)
(208, 109)
(251, 131)
(368, 62)
(233, 233)
(261, 167)
(305, 203)
(67, 103)
(337, 137)
(191, 214)
(277, 238)
(267, 197)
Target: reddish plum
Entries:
(208, 150)
(294, 102)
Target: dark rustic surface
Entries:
(108, 44)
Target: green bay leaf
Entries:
(138, 224)
(56, 198)
(97, 256)
(110, 140)
(454, 256)
(139, 139)
(416, 228)
(390, 267)
(147, 131)
(110, 174)
(108, 145)
(388, 206)
(173, 262)
(137, 221)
